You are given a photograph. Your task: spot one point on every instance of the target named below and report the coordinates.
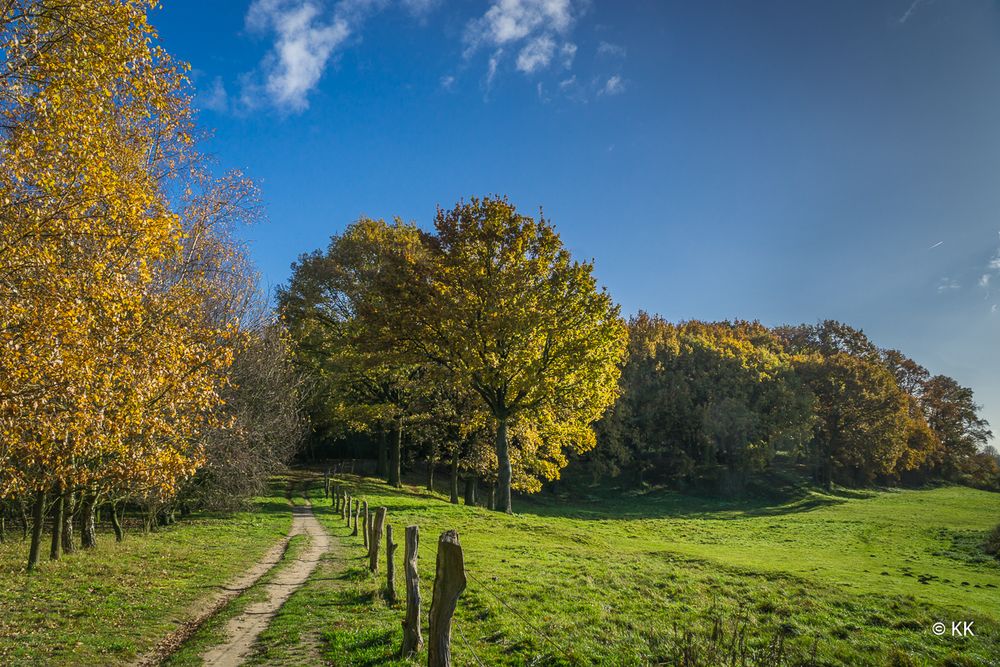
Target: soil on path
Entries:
(243, 629)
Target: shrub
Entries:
(992, 545)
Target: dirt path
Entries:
(242, 630)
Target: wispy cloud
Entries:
(939, 243)
(448, 82)
(615, 85)
(609, 50)
(305, 40)
(214, 97)
(536, 54)
(538, 29)
(909, 12)
(948, 285)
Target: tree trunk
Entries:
(396, 456)
(68, 545)
(471, 483)
(88, 531)
(116, 523)
(503, 461)
(493, 495)
(38, 517)
(412, 640)
(454, 477)
(449, 582)
(58, 507)
(382, 470)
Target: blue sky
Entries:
(781, 161)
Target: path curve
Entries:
(243, 629)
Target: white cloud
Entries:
(448, 82)
(993, 308)
(536, 54)
(948, 285)
(567, 83)
(512, 20)
(568, 53)
(609, 50)
(984, 280)
(491, 70)
(304, 42)
(615, 85)
(215, 98)
(536, 26)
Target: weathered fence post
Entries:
(344, 505)
(367, 528)
(326, 482)
(390, 566)
(412, 639)
(449, 582)
(378, 523)
(357, 511)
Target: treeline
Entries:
(138, 365)
(713, 404)
(482, 348)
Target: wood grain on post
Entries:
(390, 566)
(367, 527)
(449, 582)
(375, 539)
(357, 511)
(412, 639)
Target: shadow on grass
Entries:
(608, 503)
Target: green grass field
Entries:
(853, 579)
(659, 578)
(106, 605)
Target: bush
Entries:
(992, 545)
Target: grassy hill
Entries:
(666, 579)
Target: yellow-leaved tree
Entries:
(497, 301)
(114, 336)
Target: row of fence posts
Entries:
(449, 575)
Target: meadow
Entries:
(661, 578)
(107, 605)
(841, 578)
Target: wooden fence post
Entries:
(378, 524)
(390, 566)
(412, 639)
(367, 527)
(449, 582)
(357, 511)
(326, 482)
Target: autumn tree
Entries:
(497, 301)
(115, 312)
(361, 386)
(703, 401)
(953, 416)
